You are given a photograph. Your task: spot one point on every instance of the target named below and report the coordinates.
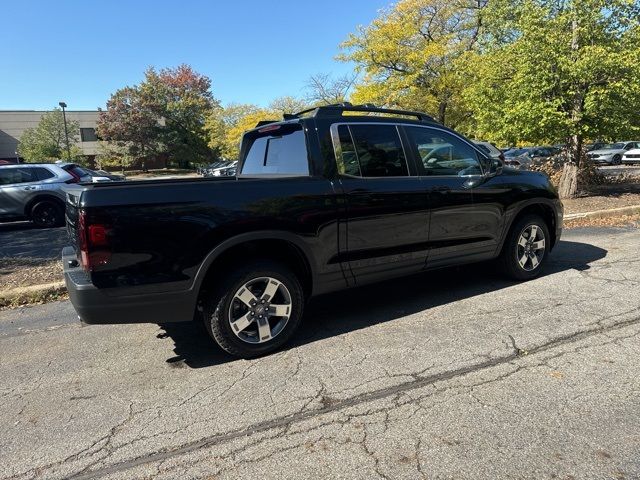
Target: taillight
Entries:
(270, 128)
(75, 179)
(98, 235)
(93, 241)
(82, 240)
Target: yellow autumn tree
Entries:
(410, 56)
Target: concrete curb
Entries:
(31, 294)
(613, 212)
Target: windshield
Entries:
(516, 153)
(613, 146)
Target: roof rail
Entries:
(337, 109)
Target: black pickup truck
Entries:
(330, 198)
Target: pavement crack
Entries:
(417, 382)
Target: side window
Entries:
(10, 176)
(6, 177)
(88, 135)
(43, 173)
(442, 153)
(372, 151)
(348, 165)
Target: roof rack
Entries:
(337, 109)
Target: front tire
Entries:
(525, 249)
(47, 214)
(255, 309)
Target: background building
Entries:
(13, 123)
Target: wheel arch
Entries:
(276, 245)
(41, 197)
(542, 207)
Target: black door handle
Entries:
(441, 189)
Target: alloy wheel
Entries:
(46, 215)
(260, 310)
(531, 247)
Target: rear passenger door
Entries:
(386, 203)
(461, 229)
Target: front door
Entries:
(386, 203)
(451, 170)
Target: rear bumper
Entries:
(104, 306)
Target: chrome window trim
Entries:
(335, 139)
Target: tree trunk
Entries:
(442, 112)
(575, 149)
(568, 187)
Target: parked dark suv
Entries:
(329, 198)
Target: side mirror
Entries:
(495, 167)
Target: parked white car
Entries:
(612, 153)
(631, 157)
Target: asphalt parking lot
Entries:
(452, 374)
(23, 239)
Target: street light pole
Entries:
(66, 133)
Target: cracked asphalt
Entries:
(451, 374)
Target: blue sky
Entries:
(254, 51)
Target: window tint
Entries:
(10, 176)
(279, 151)
(88, 135)
(348, 164)
(43, 173)
(442, 153)
(372, 151)
(484, 148)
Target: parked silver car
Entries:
(34, 191)
(612, 153)
(525, 158)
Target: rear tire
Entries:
(255, 309)
(617, 160)
(525, 249)
(47, 214)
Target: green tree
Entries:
(557, 70)
(131, 129)
(412, 56)
(114, 154)
(47, 141)
(163, 115)
(225, 126)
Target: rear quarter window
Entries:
(43, 173)
(281, 151)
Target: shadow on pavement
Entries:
(355, 309)
(23, 239)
